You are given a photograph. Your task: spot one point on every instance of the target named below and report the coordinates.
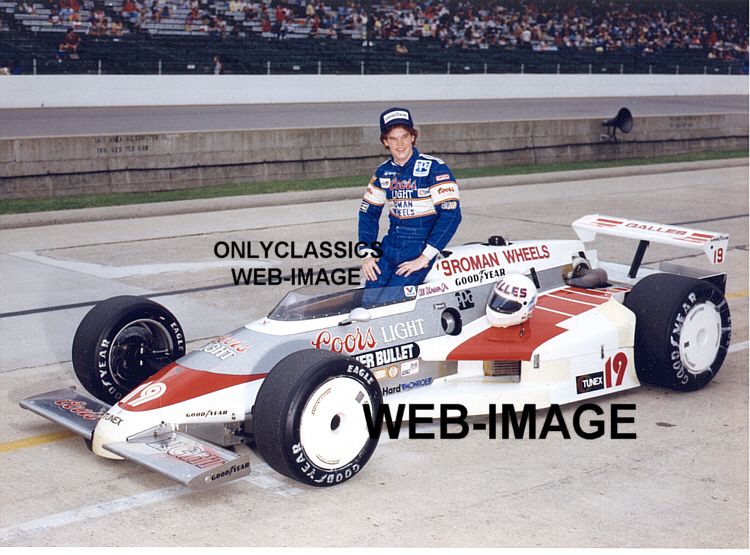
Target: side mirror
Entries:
(358, 314)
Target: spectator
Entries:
(401, 50)
(128, 7)
(155, 11)
(69, 11)
(280, 29)
(54, 17)
(218, 66)
(116, 30)
(26, 7)
(192, 18)
(218, 28)
(69, 45)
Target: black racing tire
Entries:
(123, 341)
(682, 330)
(308, 418)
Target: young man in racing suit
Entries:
(424, 208)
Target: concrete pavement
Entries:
(682, 483)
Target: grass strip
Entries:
(19, 206)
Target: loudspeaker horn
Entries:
(622, 121)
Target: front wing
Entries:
(186, 459)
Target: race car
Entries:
(503, 323)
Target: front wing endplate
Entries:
(76, 410)
(184, 458)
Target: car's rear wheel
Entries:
(309, 420)
(123, 341)
(682, 330)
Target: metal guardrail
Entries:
(352, 67)
(193, 55)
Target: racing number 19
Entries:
(618, 363)
(718, 256)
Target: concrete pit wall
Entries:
(47, 167)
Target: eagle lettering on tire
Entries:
(123, 341)
(309, 420)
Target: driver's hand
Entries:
(410, 266)
(370, 268)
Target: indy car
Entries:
(542, 321)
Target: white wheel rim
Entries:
(333, 429)
(700, 337)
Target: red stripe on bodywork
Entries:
(608, 292)
(508, 343)
(562, 305)
(609, 221)
(183, 384)
(580, 297)
(603, 293)
(511, 344)
(692, 240)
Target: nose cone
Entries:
(117, 425)
(170, 396)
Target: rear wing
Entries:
(713, 244)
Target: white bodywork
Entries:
(578, 344)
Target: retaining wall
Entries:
(70, 91)
(39, 167)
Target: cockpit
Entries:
(311, 302)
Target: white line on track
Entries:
(738, 347)
(118, 272)
(263, 476)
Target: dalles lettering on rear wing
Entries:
(713, 244)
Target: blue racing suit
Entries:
(424, 214)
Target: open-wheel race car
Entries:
(543, 322)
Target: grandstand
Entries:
(339, 37)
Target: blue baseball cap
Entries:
(395, 116)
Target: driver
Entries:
(424, 209)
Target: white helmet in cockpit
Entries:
(512, 300)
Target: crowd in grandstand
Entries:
(604, 26)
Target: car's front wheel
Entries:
(309, 421)
(123, 341)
